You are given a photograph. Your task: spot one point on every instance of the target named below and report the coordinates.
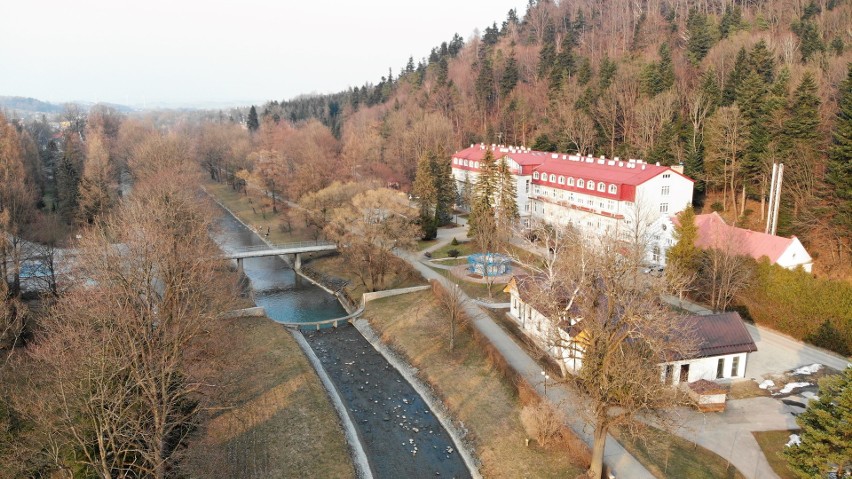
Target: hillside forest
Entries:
(725, 88)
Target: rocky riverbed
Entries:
(400, 434)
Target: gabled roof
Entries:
(714, 233)
(721, 334)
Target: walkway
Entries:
(278, 250)
(729, 434)
(620, 461)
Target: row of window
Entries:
(474, 164)
(580, 183)
(581, 200)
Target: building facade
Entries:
(722, 350)
(598, 196)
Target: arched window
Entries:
(455, 161)
(580, 183)
(476, 164)
(552, 178)
(465, 163)
(590, 185)
(601, 186)
(570, 181)
(613, 189)
(561, 180)
(535, 175)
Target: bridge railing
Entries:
(300, 244)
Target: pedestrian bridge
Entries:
(280, 249)
(296, 249)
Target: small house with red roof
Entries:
(598, 196)
(714, 233)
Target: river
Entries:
(399, 433)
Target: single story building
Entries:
(723, 340)
(714, 233)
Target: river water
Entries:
(399, 433)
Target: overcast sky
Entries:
(191, 52)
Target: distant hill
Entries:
(32, 105)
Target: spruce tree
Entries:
(426, 195)
(510, 76)
(684, 256)
(751, 99)
(839, 171)
(825, 433)
(803, 123)
(762, 62)
(735, 78)
(482, 203)
(701, 37)
(252, 122)
(507, 204)
(445, 190)
(547, 54)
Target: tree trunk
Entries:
(596, 466)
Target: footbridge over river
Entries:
(296, 249)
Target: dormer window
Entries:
(476, 164)
(535, 175)
(580, 183)
(590, 185)
(561, 180)
(613, 189)
(552, 178)
(570, 181)
(601, 187)
(465, 163)
(455, 161)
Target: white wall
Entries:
(795, 255)
(706, 368)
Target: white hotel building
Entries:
(596, 195)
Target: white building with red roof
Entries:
(597, 195)
(714, 233)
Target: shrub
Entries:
(717, 207)
(542, 422)
(453, 253)
(454, 242)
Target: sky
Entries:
(184, 53)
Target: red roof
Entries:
(713, 232)
(625, 175)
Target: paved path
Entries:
(620, 461)
(729, 433)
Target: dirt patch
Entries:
(399, 432)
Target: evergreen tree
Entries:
(426, 196)
(730, 21)
(584, 72)
(547, 54)
(608, 68)
(809, 38)
(762, 62)
(803, 122)
(684, 256)
(486, 91)
(510, 76)
(751, 99)
(484, 191)
(839, 174)
(826, 434)
(700, 33)
(506, 204)
(252, 123)
(445, 187)
(736, 77)
(564, 64)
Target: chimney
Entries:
(601, 161)
(555, 156)
(610, 163)
(616, 158)
(643, 166)
(658, 163)
(620, 163)
(678, 168)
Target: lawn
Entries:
(477, 290)
(256, 211)
(265, 412)
(464, 248)
(475, 391)
(772, 443)
(666, 455)
(423, 244)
